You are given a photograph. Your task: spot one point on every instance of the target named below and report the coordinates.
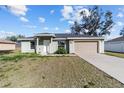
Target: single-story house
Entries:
(115, 45)
(6, 45)
(47, 43)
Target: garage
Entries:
(86, 47)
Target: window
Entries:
(61, 44)
(40, 41)
(32, 45)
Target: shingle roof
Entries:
(56, 35)
(116, 39)
(65, 35)
(45, 34)
(6, 41)
(26, 38)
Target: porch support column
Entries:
(101, 46)
(51, 40)
(71, 46)
(37, 45)
(50, 46)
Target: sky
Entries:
(29, 20)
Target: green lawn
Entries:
(31, 70)
(121, 55)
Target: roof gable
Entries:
(45, 34)
(6, 41)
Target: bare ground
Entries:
(49, 72)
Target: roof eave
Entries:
(101, 38)
(44, 35)
(23, 39)
(8, 42)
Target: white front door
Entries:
(46, 44)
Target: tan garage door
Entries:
(82, 47)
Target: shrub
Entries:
(61, 50)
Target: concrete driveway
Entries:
(113, 66)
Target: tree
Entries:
(14, 38)
(97, 23)
(20, 36)
(76, 28)
(122, 32)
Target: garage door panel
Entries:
(85, 48)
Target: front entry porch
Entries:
(43, 45)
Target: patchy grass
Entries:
(121, 55)
(1, 75)
(18, 56)
(7, 84)
(36, 71)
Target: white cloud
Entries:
(4, 34)
(71, 22)
(66, 11)
(67, 31)
(73, 13)
(45, 28)
(23, 19)
(41, 19)
(77, 16)
(31, 26)
(78, 7)
(120, 23)
(52, 11)
(120, 15)
(111, 37)
(121, 9)
(18, 10)
(115, 31)
(56, 28)
(62, 19)
(86, 11)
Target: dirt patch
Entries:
(54, 72)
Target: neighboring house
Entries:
(115, 45)
(6, 45)
(47, 43)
